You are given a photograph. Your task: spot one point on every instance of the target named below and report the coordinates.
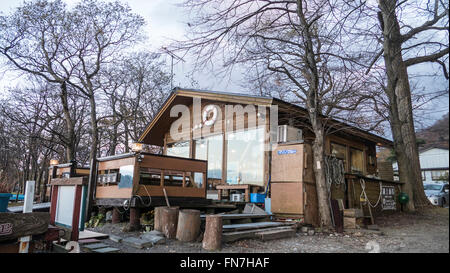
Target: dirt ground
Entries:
(424, 232)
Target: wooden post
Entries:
(76, 213)
(169, 221)
(157, 219)
(91, 188)
(135, 223)
(212, 240)
(115, 216)
(188, 225)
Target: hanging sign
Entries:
(388, 198)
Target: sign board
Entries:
(286, 152)
(388, 198)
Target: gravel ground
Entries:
(427, 231)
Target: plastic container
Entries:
(257, 197)
(4, 200)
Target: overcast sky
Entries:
(166, 21)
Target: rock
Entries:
(357, 234)
(115, 238)
(304, 229)
(311, 232)
(154, 239)
(137, 242)
(108, 216)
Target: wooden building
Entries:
(237, 134)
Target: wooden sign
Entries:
(15, 225)
(388, 198)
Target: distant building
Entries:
(433, 163)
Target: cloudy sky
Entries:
(166, 21)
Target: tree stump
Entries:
(188, 225)
(212, 240)
(169, 220)
(157, 220)
(135, 223)
(115, 216)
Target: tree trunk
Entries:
(157, 218)
(212, 240)
(401, 117)
(169, 221)
(321, 184)
(188, 225)
(70, 125)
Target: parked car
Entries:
(437, 193)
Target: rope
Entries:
(363, 191)
(126, 208)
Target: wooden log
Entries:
(169, 221)
(157, 220)
(188, 226)
(212, 240)
(15, 225)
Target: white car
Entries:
(437, 194)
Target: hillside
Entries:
(436, 135)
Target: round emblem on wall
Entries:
(209, 115)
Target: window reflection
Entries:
(245, 155)
(179, 149)
(210, 148)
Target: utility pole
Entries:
(172, 55)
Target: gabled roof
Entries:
(154, 132)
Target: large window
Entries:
(210, 148)
(180, 149)
(245, 157)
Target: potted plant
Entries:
(5, 194)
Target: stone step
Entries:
(275, 234)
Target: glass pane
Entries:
(126, 176)
(357, 160)
(150, 176)
(245, 157)
(180, 149)
(210, 148)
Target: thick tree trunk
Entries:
(157, 218)
(321, 184)
(401, 116)
(188, 225)
(212, 240)
(169, 221)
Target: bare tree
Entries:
(296, 43)
(405, 34)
